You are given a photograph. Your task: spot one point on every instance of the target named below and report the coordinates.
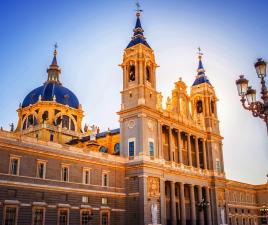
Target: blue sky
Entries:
(92, 36)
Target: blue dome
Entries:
(47, 91)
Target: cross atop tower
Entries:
(55, 48)
(200, 54)
(138, 10)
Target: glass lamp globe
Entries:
(242, 85)
(251, 95)
(260, 67)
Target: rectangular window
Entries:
(65, 173)
(14, 165)
(151, 148)
(104, 218)
(105, 179)
(131, 148)
(85, 217)
(41, 169)
(63, 217)
(86, 176)
(10, 216)
(38, 216)
(85, 199)
(104, 201)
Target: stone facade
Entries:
(164, 165)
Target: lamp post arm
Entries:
(264, 91)
(243, 101)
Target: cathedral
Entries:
(162, 165)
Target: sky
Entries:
(92, 36)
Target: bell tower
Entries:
(139, 83)
(203, 100)
(204, 111)
(138, 121)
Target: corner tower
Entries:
(139, 96)
(203, 100)
(204, 111)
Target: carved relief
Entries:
(150, 125)
(221, 197)
(131, 124)
(153, 187)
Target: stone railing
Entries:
(51, 128)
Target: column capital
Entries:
(191, 185)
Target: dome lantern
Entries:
(54, 71)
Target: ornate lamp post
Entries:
(202, 205)
(247, 94)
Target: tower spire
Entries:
(201, 76)
(138, 37)
(54, 71)
(54, 61)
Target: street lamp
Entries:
(248, 94)
(202, 205)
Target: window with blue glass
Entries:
(151, 148)
(131, 148)
(103, 149)
(117, 149)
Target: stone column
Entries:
(143, 210)
(170, 144)
(197, 152)
(182, 204)
(173, 203)
(179, 147)
(205, 154)
(200, 213)
(208, 209)
(160, 144)
(192, 200)
(163, 202)
(189, 149)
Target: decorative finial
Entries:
(55, 48)
(138, 10)
(199, 53)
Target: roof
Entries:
(52, 89)
(47, 92)
(99, 135)
(201, 76)
(138, 37)
(112, 132)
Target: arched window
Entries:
(29, 121)
(212, 106)
(45, 116)
(132, 73)
(199, 106)
(148, 74)
(66, 122)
